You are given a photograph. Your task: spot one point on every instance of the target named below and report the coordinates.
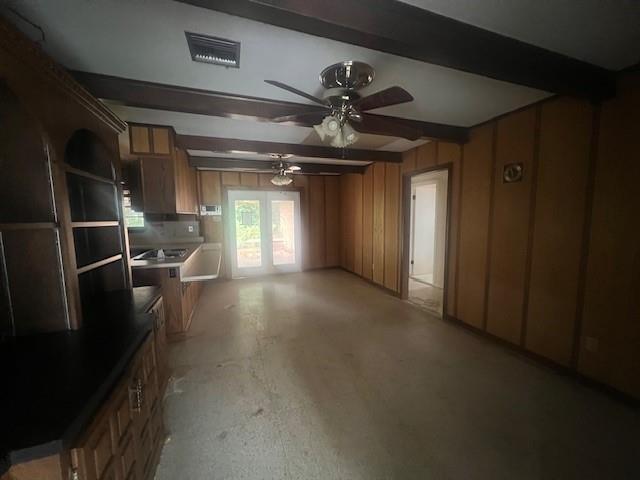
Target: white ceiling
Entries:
(145, 40)
(601, 32)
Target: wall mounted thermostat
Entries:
(210, 210)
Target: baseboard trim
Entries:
(370, 282)
(539, 360)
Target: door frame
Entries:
(227, 219)
(406, 231)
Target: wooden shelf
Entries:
(82, 173)
(108, 223)
(28, 226)
(100, 263)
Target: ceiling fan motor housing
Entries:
(349, 75)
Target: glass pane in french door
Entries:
(283, 232)
(248, 243)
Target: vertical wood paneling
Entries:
(264, 180)
(248, 179)
(332, 220)
(357, 224)
(452, 153)
(409, 163)
(302, 181)
(391, 224)
(565, 140)
(367, 224)
(231, 178)
(378, 222)
(317, 222)
(426, 155)
(510, 227)
(346, 203)
(474, 228)
(610, 340)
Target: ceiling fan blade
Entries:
(275, 83)
(379, 126)
(383, 98)
(306, 118)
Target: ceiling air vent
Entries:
(217, 51)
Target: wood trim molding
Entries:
(173, 98)
(214, 163)
(15, 43)
(532, 225)
(218, 144)
(406, 229)
(586, 234)
(405, 30)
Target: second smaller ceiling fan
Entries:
(341, 114)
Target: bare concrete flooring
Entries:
(321, 376)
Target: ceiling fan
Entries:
(341, 114)
(282, 170)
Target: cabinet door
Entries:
(139, 140)
(95, 455)
(159, 190)
(185, 184)
(160, 340)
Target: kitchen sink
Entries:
(168, 253)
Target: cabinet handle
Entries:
(138, 395)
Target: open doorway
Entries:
(264, 232)
(427, 225)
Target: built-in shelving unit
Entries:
(95, 218)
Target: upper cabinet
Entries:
(150, 140)
(160, 179)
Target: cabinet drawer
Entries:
(128, 455)
(110, 472)
(122, 417)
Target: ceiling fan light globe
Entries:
(330, 126)
(281, 180)
(349, 134)
(320, 131)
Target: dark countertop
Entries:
(145, 297)
(55, 383)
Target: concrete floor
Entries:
(320, 375)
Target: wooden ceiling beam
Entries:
(157, 96)
(400, 29)
(216, 163)
(216, 144)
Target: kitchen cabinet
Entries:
(150, 140)
(162, 183)
(180, 298)
(124, 439)
(61, 218)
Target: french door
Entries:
(264, 232)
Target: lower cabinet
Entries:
(125, 438)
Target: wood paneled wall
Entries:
(319, 203)
(372, 217)
(550, 264)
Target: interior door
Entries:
(264, 232)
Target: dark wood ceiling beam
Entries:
(215, 163)
(401, 29)
(157, 96)
(215, 144)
